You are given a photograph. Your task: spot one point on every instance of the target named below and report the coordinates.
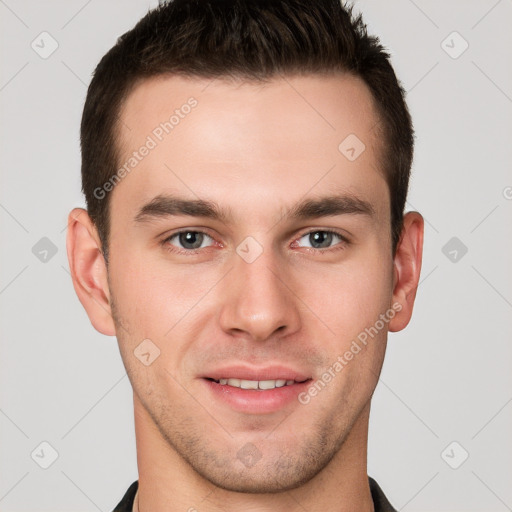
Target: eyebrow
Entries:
(326, 206)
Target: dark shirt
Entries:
(380, 501)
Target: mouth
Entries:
(256, 385)
(256, 391)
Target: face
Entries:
(247, 244)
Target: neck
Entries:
(168, 483)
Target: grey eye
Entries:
(190, 239)
(320, 239)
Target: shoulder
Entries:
(126, 504)
(380, 501)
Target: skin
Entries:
(257, 150)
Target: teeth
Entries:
(256, 384)
(271, 384)
(247, 384)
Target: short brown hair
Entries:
(248, 39)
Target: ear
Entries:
(89, 271)
(407, 268)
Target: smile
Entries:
(259, 385)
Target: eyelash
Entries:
(339, 246)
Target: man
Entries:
(245, 166)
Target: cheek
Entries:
(350, 297)
(152, 297)
(157, 304)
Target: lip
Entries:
(248, 373)
(252, 401)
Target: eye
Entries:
(188, 240)
(321, 239)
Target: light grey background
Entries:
(446, 378)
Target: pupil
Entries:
(320, 239)
(191, 239)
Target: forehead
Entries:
(266, 140)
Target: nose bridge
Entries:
(257, 300)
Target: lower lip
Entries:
(255, 401)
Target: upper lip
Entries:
(252, 373)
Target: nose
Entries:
(258, 300)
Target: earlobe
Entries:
(407, 268)
(88, 270)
